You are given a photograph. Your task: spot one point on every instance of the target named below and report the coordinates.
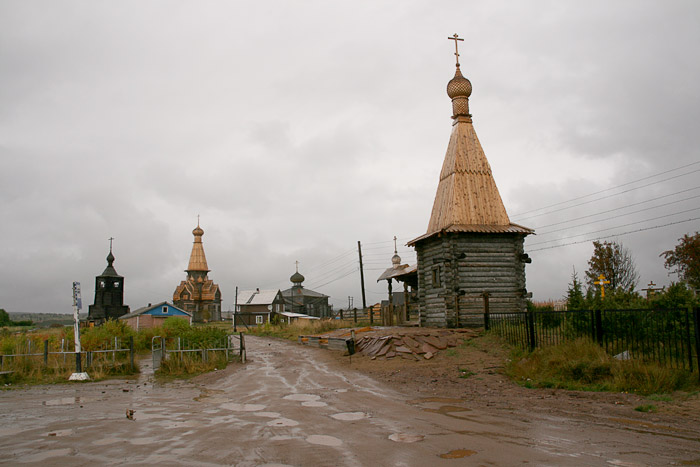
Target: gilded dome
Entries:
(459, 86)
(198, 232)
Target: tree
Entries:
(4, 318)
(574, 295)
(615, 262)
(684, 259)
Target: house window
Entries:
(258, 319)
(165, 310)
(436, 276)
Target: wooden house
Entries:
(299, 299)
(258, 306)
(471, 254)
(152, 316)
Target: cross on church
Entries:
(395, 245)
(297, 265)
(110, 243)
(601, 282)
(456, 38)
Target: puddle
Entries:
(281, 438)
(243, 407)
(302, 397)
(621, 463)
(60, 433)
(47, 455)
(107, 441)
(349, 416)
(324, 440)
(267, 414)
(406, 437)
(282, 422)
(66, 401)
(449, 410)
(314, 404)
(275, 465)
(143, 441)
(458, 454)
(442, 400)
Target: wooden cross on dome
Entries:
(456, 38)
(110, 243)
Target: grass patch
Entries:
(583, 365)
(646, 408)
(191, 364)
(660, 397)
(465, 373)
(298, 328)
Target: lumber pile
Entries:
(413, 345)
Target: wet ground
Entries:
(294, 405)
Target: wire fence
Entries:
(670, 337)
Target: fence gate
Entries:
(157, 350)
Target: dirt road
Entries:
(294, 405)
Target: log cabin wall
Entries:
(457, 268)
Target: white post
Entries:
(79, 375)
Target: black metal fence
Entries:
(164, 348)
(670, 337)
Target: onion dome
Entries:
(396, 260)
(459, 89)
(297, 278)
(198, 232)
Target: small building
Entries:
(289, 317)
(109, 294)
(393, 311)
(471, 253)
(258, 306)
(152, 316)
(199, 295)
(299, 299)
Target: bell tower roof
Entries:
(109, 270)
(198, 260)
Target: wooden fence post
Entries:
(487, 316)
(131, 352)
(46, 352)
(242, 348)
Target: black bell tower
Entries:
(109, 294)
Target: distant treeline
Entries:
(43, 320)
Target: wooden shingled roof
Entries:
(467, 199)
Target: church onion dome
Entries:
(110, 258)
(198, 231)
(396, 261)
(459, 89)
(297, 278)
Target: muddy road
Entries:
(294, 405)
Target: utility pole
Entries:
(362, 283)
(235, 307)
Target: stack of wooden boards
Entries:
(413, 344)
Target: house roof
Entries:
(395, 273)
(289, 314)
(301, 291)
(148, 308)
(256, 297)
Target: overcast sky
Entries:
(295, 129)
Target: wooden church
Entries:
(471, 253)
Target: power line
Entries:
(336, 279)
(608, 218)
(616, 227)
(608, 189)
(615, 235)
(626, 206)
(604, 197)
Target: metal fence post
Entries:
(531, 337)
(696, 319)
(599, 327)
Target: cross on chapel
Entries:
(456, 38)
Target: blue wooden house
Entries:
(153, 315)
